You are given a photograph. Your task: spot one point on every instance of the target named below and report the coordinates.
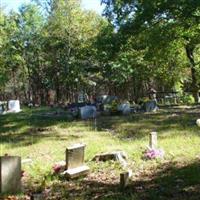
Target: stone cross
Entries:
(10, 174)
(153, 140)
(75, 161)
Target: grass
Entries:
(44, 138)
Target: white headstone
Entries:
(198, 122)
(153, 140)
(14, 106)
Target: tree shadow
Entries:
(27, 128)
(15, 128)
(139, 125)
(169, 182)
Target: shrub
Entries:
(187, 99)
(143, 100)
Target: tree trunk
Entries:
(195, 88)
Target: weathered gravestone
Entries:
(88, 112)
(124, 179)
(1, 109)
(153, 140)
(10, 174)
(37, 196)
(115, 155)
(150, 106)
(75, 166)
(124, 108)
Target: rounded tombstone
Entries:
(198, 122)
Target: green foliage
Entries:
(42, 52)
(170, 31)
(187, 99)
(112, 106)
(143, 100)
(68, 50)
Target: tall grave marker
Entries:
(10, 174)
(153, 140)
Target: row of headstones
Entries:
(89, 111)
(10, 167)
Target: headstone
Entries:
(1, 109)
(124, 108)
(38, 196)
(198, 122)
(153, 140)
(14, 106)
(124, 180)
(75, 166)
(150, 106)
(10, 174)
(88, 112)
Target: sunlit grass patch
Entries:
(31, 135)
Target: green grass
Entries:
(44, 138)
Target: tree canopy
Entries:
(171, 25)
(56, 45)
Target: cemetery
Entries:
(123, 157)
(99, 100)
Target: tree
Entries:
(20, 50)
(70, 34)
(178, 22)
(30, 26)
(3, 38)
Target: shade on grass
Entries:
(31, 134)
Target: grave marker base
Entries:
(76, 172)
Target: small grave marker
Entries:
(37, 196)
(124, 178)
(75, 161)
(153, 140)
(10, 174)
